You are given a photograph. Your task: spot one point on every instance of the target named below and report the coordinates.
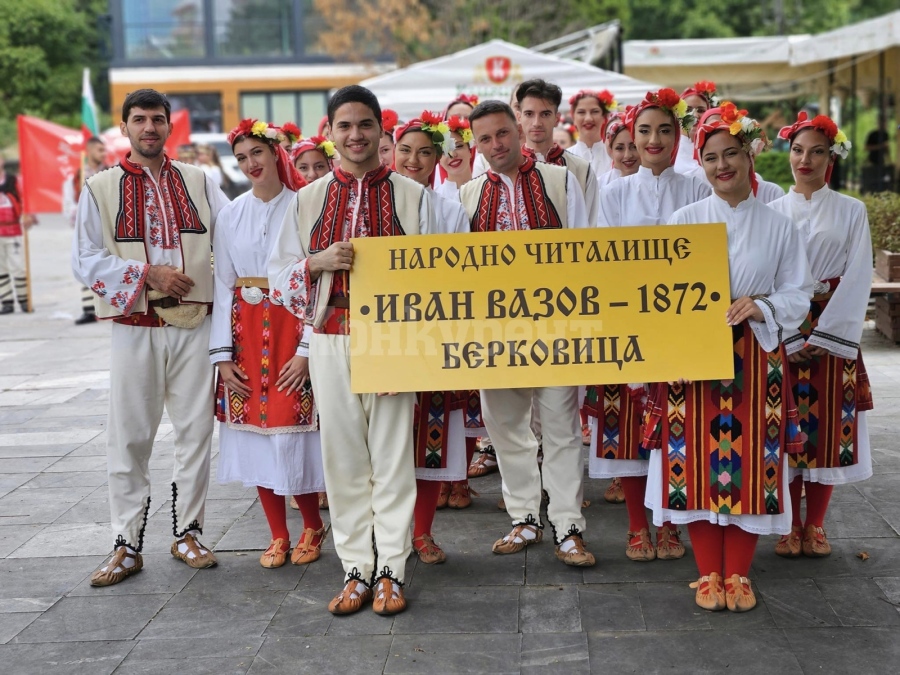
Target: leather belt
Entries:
(165, 302)
(341, 302)
(252, 282)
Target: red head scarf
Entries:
(666, 100)
(317, 143)
(268, 134)
(820, 123)
(704, 131)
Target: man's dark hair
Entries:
(354, 94)
(94, 140)
(148, 99)
(486, 108)
(540, 89)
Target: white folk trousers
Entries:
(152, 369)
(367, 454)
(507, 416)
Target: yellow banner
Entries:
(540, 308)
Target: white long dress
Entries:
(834, 229)
(597, 155)
(607, 178)
(765, 257)
(288, 463)
(639, 199)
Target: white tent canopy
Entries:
(490, 71)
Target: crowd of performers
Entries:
(726, 459)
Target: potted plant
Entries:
(884, 222)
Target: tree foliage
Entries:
(44, 44)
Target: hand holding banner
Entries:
(540, 308)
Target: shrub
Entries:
(884, 220)
(775, 167)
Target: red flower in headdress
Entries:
(730, 113)
(705, 87)
(665, 98)
(471, 99)
(389, 119)
(292, 131)
(826, 126)
(244, 128)
(457, 123)
(429, 117)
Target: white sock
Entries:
(183, 547)
(567, 545)
(127, 563)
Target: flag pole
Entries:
(25, 252)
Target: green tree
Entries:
(44, 44)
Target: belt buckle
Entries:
(821, 288)
(252, 295)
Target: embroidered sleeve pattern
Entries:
(299, 296)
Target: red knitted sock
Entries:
(276, 513)
(309, 509)
(427, 493)
(796, 488)
(817, 498)
(707, 542)
(634, 488)
(739, 549)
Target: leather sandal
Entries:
(460, 495)
(276, 554)
(484, 464)
(202, 557)
(305, 551)
(351, 599)
(815, 543)
(428, 552)
(790, 546)
(710, 592)
(388, 599)
(515, 542)
(668, 544)
(578, 555)
(614, 493)
(115, 570)
(294, 504)
(739, 595)
(639, 548)
(443, 495)
(323, 501)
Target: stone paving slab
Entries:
(477, 613)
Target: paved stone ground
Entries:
(477, 613)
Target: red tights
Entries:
(634, 488)
(817, 498)
(725, 550)
(427, 493)
(276, 512)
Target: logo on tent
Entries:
(498, 68)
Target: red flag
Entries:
(49, 156)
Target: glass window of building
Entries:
(305, 108)
(205, 110)
(254, 27)
(163, 29)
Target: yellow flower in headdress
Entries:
(259, 129)
(840, 137)
(327, 148)
(681, 108)
(735, 128)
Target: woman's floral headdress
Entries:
(292, 132)
(251, 127)
(614, 124)
(705, 89)
(461, 126)
(319, 143)
(431, 123)
(840, 144)
(470, 99)
(668, 99)
(750, 132)
(605, 97)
